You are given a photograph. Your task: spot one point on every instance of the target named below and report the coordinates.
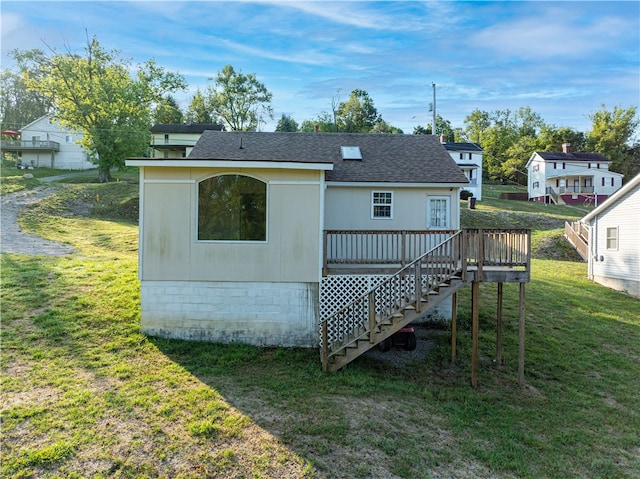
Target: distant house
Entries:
(45, 143)
(614, 240)
(570, 178)
(176, 140)
(238, 238)
(468, 156)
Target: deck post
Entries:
(521, 338)
(418, 286)
(325, 269)
(325, 345)
(372, 317)
(475, 306)
(499, 327)
(454, 326)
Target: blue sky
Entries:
(563, 59)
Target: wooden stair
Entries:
(395, 303)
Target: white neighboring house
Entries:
(570, 178)
(614, 240)
(45, 143)
(468, 156)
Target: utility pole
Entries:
(433, 124)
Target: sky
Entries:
(563, 59)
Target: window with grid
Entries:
(438, 212)
(382, 204)
(612, 238)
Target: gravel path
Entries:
(13, 239)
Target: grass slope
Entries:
(85, 394)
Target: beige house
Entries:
(235, 238)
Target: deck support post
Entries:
(499, 327)
(475, 306)
(454, 326)
(521, 337)
(372, 317)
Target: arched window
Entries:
(232, 208)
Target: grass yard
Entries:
(86, 395)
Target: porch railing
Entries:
(363, 247)
(10, 145)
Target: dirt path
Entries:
(13, 239)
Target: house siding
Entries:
(619, 268)
(169, 244)
(349, 207)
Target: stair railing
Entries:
(400, 291)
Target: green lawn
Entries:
(86, 395)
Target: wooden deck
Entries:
(491, 255)
(421, 268)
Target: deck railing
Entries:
(10, 145)
(363, 247)
(482, 247)
(577, 233)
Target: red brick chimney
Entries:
(566, 148)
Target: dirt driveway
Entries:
(13, 239)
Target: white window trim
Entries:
(617, 236)
(447, 200)
(374, 204)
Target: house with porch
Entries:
(570, 177)
(46, 143)
(613, 245)
(468, 156)
(176, 140)
(307, 239)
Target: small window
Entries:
(589, 165)
(536, 167)
(612, 238)
(555, 165)
(381, 205)
(598, 165)
(438, 212)
(612, 181)
(232, 208)
(603, 181)
(536, 184)
(166, 138)
(68, 139)
(351, 153)
(564, 165)
(461, 156)
(470, 156)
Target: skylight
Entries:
(351, 153)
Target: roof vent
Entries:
(351, 153)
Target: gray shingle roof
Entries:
(558, 155)
(385, 158)
(462, 146)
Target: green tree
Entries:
(476, 123)
(168, 111)
(239, 100)
(19, 106)
(198, 111)
(286, 123)
(382, 126)
(97, 94)
(443, 127)
(551, 138)
(612, 134)
(357, 114)
(324, 122)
